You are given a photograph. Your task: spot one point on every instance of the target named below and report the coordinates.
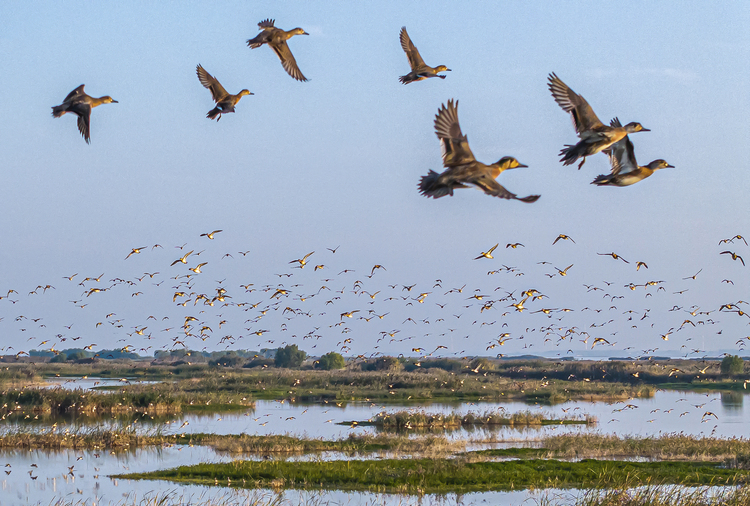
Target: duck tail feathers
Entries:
(570, 153)
(602, 180)
(429, 186)
(214, 113)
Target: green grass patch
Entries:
(511, 453)
(706, 386)
(408, 420)
(354, 444)
(448, 475)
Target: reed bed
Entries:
(93, 438)
(653, 495)
(17, 376)
(405, 420)
(664, 447)
(173, 498)
(117, 437)
(352, 445)
(433, 475)
(385, 386)
(154, 399)
(518, 381)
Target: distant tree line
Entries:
(72, 354)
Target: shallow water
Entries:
(646, 416)
(666, 412)
(89, 483)
(89, 383)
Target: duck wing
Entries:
(584, 118)
(208, 81)
(287, 60)
(267, 30)
(415, 59)
(75, 93)
(495, 189)
(83, 111)
(454, 145)
(622, 153)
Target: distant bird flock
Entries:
(364, 310)
(462, 170)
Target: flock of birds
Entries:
(462, 169)
(178, 303)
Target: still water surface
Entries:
(666, 412)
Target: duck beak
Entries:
(448, 70)
(669, 166)
(305, 33)
(520, 165)
(645, 129)
(115, 101)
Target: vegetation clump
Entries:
(430, 475)
(140, 398)
(289, 356)
(405, 420)
(732, 364)
(231, 359)
(331, 361)
(655, 495)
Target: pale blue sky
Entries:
(335, 161)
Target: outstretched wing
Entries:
(621, 153)
(492, 187)
(455, 145)
(75, 93)
(208, 81)
(584, 118)
(83, 111)
(287, 60)
(415, 59)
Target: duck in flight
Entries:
(625, 169)
(80, 104)
(462, 169)
(419, 69)
(225, 102)
(595, 136)
(276, 39)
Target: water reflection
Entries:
(90, 383)
(667, 411)
(732, 401)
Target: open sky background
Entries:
(334, 162)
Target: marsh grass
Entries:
(17, 376)
(83, 438)
(578, 377)
(109, 437)
(352, 445)
(423, 476)
(405, 420)
(653, 495)
(664, 447)
(382, 386)
(516, 382)
(162, 398)
(173, 498)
